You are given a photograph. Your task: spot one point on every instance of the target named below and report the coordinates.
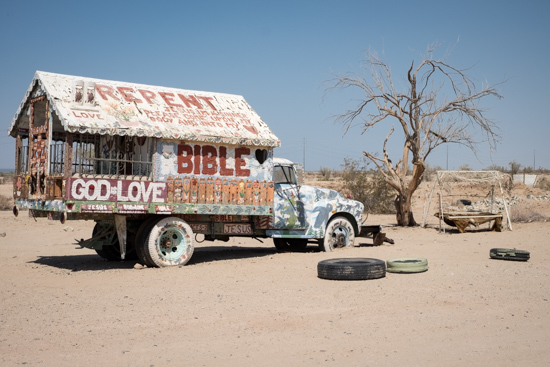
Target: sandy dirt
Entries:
(243, 304)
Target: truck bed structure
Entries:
(154, 166)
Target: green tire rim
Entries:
(407, 265)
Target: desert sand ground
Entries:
(243, 304)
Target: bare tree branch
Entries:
(427, 117)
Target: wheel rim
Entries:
(171, 244)
(340, 237)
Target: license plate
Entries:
(199, 228)
(237, 228)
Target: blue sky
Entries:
(279, 54)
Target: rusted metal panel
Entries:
(96, 106)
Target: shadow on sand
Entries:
(202, 254)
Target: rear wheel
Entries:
(110, 250)
(339, 233)
(142, 237)
(169, 243)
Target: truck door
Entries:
(289, 207)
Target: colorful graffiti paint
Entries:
(305, 212)
(193, 190)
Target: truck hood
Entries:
(334, 198)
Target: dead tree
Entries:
(425, 113)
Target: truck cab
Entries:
(303, 213)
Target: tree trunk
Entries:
(403, 200)
(404, 214)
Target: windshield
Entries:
(284, 175)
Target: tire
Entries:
(407, 265)
(102, 252)
(142, 236)
(281, 244)
(509, 254)
(290, 244)
(351, 269)
(169, 243)
(111, 252)
(338, 234)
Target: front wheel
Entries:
(169, 243)
(339, 233)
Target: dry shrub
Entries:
(368, 187)
(6, 203)
(325, 174)
(524, 214)
(543, 183)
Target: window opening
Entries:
(112, 156)
(284, 175)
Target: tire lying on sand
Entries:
(351, 269)
(407, 265)
(509, 254)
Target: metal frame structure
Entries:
(491, 177)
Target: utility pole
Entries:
(304, 159)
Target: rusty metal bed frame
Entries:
(463, 220)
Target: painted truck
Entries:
(157, 167)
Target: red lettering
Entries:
(169, 99)
(185, 156)
(105, 91)
(239, 162)
(209, 161)
(207, 100)
(88, 115)
(224, 171)
(127, 94)
(197, 153)
(148, 95)
(190, 100)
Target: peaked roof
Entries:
(95, 106)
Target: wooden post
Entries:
(440, 210)
(505, 206)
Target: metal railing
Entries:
(113, 156)
(92, 155)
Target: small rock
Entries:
(68, 229)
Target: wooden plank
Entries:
(474, 216)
